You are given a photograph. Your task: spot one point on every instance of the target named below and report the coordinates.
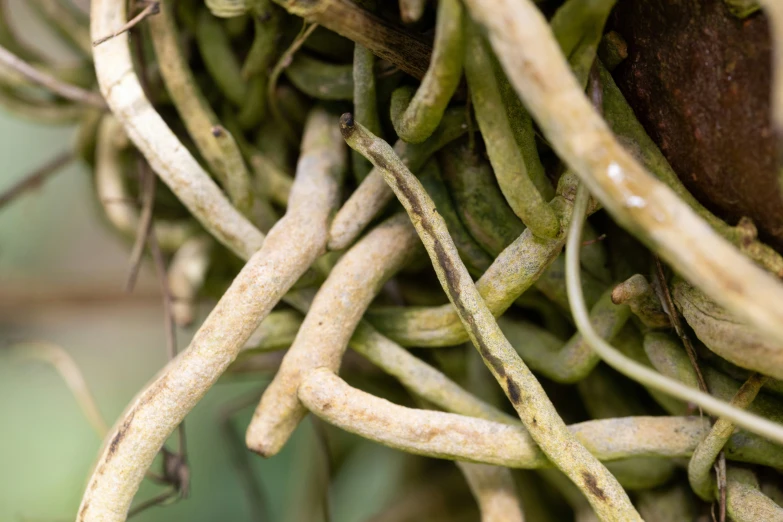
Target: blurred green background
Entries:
(61, 279)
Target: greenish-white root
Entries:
(495, 492)
(186, 274)
(291, 247)
(116, 199)
(525, 46)
(633, 369)
(336, 310)
(459, 437)
(170, 160)
(535, 409)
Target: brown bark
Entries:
(699, 81)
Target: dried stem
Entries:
(158, 500)
(674, 317)
(36, 178)
(147, 187)
(283, 62)
(180, 473)
(408, 51)
(721, 487)
(168, 304)
(40, 111)
(62, 362)
(256, 496)
(57, 86)
(152, 8)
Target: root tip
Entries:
(346, 124)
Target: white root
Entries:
(458, 437)
(495, 492)
(187, 271)
(165, 153)
(294, 243)
(336, 310)
(114, 197)
(528, 52)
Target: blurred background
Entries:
(62, 274)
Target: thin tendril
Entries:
(632, 369)
(281, 64)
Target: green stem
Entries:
(365, 103)
(219, 59)
(703, 458)
(214, 142)
(504, 153)
(416, 116)
(574, 360)
(319, 79)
